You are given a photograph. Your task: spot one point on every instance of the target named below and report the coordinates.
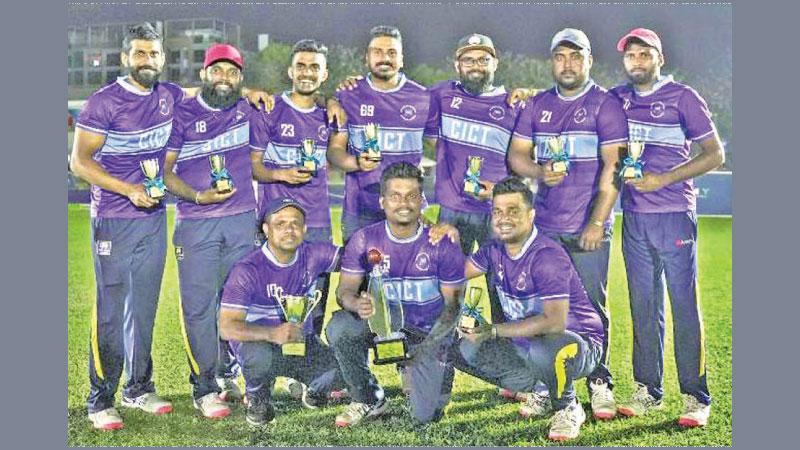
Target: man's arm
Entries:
(232, 326)
(447, 320)
(429, 147)
(82, 164)
(253, 96)
(471, 270)
(607, 193)
(520, 159)
(553, 319)
(349, 297)
(264, 175)
(711, 156)
(338, 157)
(177, 186)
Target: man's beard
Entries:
(642, 77)
(147, 79)
(220, 100)
(477, 86)
(376, 72)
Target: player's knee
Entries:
(342, 326)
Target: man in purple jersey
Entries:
(659, 226)
(253, 320)
(575, 208)
(426, 278)
(552, 333)
(122, 128)
(399, 106)
(213, 230)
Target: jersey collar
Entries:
(494, 92)
(662, 81)
(407, 240)
(205, 105)
(399, 86)
(288, 100)
(589, 85)
(123, 81)
(271, 257)
(526, 246)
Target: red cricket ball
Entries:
(374, 256)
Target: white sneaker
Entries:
(640, 403)
(295, 388)
(695, 414)
(566, 423)
(230, 390)
(107, 419)
(356, 412)
(149, 403)
(212, 406)
(536, 405)
(604, 407)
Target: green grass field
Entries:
(476, 415)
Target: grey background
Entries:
(33, 228)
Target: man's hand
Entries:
(551, 178)
(138, 196)
(366, 164)
(287, 332)
(293, 176)
(336, 112)
(257, 98)
(648, 183)
(476, 335)
(364, 306)
(520, 95)
(349, 83)
(485, 194)
(440, 230)
(591, 237)
(210, 196)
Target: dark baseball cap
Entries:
(475, 41)
(278, 204)
(223, 52)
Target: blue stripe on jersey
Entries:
(152, 139)
(392, 140)
(269, 313)
(418, 291)
(477, 134)
(287, 155)
(579, 145)
(231, 139)
(659, 134)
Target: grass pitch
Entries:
(476, 415)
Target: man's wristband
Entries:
(597, 223)
(494, 331)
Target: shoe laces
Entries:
(642, 395)
(535, 399)
(565, 417)
(601, 391)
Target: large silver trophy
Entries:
(390, 344)
(297, 309)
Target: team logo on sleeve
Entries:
(657, 109)
(497, 112)
(322, 133)
(422, 262)
(580, 115)
(408, 112)
(104, 248)
(163, 106)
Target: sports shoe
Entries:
(149, 403)
(107, 419)
(566, 423)
(508, 394)
(230, 390)
(640, 403)
(309, 398)
(695, 414)
(604, 407)
(260, 413)
(356, 412)
(536, 405)
(337, 395)
(212, 406)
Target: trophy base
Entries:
(469, 187)
(294, 349)
(374, 157)
(155, 193)
(559, 166)
(223, 186)
(467, 322)
(388, 351)
(630, 172)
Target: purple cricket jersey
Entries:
(137, 126)
(541, 272)
(469, 125)
(200, 131)
(586, 121)
(413, 269)
(257, 280)
(667, 119)
(279, 134)
(402, 114)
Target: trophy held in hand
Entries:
(153, 183)
(390, 344)
(220, 178)
(297, 309)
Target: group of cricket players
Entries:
(525, 181)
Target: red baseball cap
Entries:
(223, 51)
(649, 37)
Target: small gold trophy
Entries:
(297, 309)
(470, 315)
(472, 183)
(371, 142)
(220, 178)
(631, 166)
(308, 156)
(559, 160)
(153, 183)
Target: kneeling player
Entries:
(552, 334)
(252, 319)
(426, 278)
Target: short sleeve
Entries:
(523, 128)
(175, 142)
(325, 257)
(175, 90)
(451, 263)
(480, 259)
(353, 260)
(433, 123)
(95, 115)
(612, 123)
(695, 116)
(259, 132)
(237, 292)
(551, 275)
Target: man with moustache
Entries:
(213, 229)
(576, 208)
(659, 225)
